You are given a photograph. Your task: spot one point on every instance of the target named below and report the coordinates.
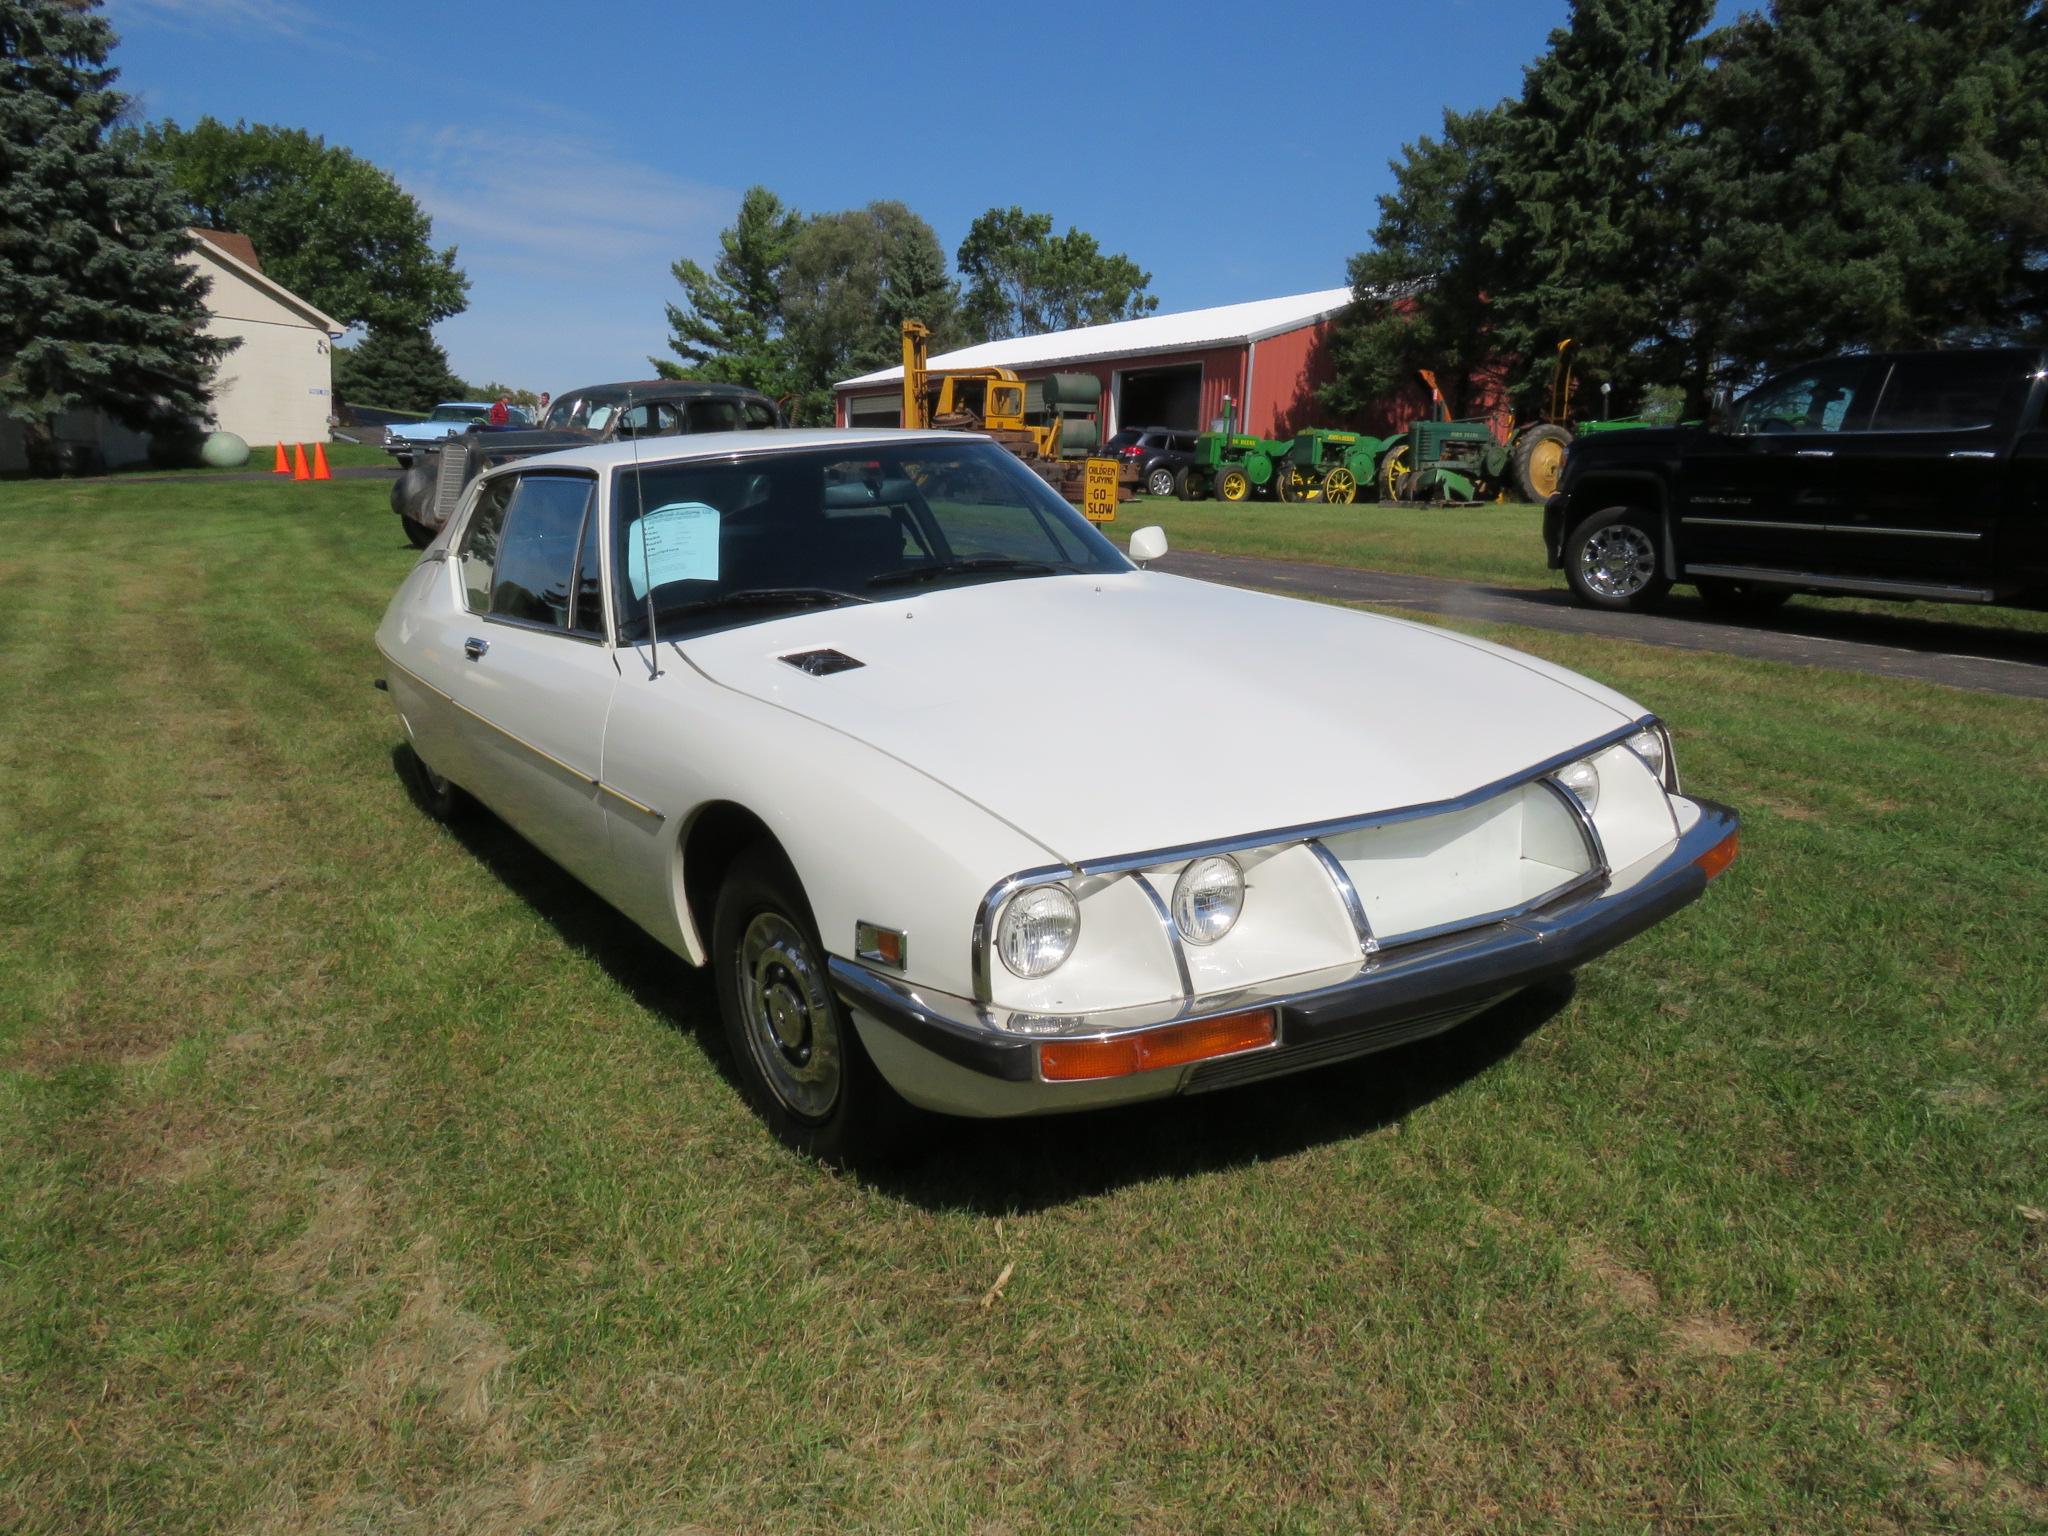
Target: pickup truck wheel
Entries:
(795, 1052)
(1740, 596)
(1159, 481)
(1191, 483)
(1610, 560)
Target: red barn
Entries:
(1269, 357)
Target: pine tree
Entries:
(729, 327)
(1589, 242)
(400, 369)
(96, 310)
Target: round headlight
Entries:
(1038, 930)
(1648, 744)
(1207, 899)
(1583, 780)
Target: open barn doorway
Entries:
(1160, 397)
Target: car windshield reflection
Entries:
(712, 544)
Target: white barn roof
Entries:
(1225, 325)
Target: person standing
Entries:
(540, 410)
(501, 411)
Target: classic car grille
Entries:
(449, 479)
(1260, 1065)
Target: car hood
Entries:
(1107, 715)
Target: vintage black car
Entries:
(428, 492)
(1910, 475)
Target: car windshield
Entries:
(721, 542)
(459, 413)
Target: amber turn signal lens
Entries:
(1171, 1045)
(1720, 856)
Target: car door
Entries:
(1759, 494)
(536, 674)
(1919, 491)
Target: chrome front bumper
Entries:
(949, 1054)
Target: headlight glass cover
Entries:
(1648, 744)
(1583, 780)
(1207, 899)
(1038, 930)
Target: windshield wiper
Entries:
(967, 566)
(764, 597)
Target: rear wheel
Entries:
(1159, 481)
(1610, 560)
(1233, 484)
(1395, 474)
(1539, 461)
(794, 1048)
(1290, 484)
(1740, 596)
(1191, 483)
(438, 797)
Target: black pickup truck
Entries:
(1883, 474)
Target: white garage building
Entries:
(277, 386)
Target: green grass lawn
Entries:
(1499, 543)
(362, 1175)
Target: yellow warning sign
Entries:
(1098, 491)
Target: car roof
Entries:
(463, 405)
(724, 445)
(664, 389)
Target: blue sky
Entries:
(572, 152)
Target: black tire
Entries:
(1160, 480)
(440, 798)
(413, 491)
(418, 535)
(1611, 560)
(1191, 483)
(1539, 461)
(821, 1095)
(1725, 596)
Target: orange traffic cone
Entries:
(320, 471)
(283, 466)
(299, 471)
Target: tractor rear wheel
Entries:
(1233, 484)
(1539, 461)
(1395, 473)
(1340, 487)
(1191, 483)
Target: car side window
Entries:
(1826, 398)
(478, 551)
(759, 414)
(714, 416)
(1947, 394)
(651, 418)
(534, 579)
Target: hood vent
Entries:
(822, 663)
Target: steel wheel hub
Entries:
(792, 1031)
(1618, 561)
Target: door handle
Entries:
(1814, 453)
(474, 648)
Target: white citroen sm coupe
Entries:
(964, 808)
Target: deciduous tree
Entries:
(1024, 280)
(329, 225)
(96, 310)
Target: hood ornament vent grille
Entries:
(822, 663)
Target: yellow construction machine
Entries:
(1057, 439)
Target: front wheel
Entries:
(794, 1048)
(1159, 481)
(1233, 484)
(1340, 487)
(1610, 560)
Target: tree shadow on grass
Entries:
(1001, 1167)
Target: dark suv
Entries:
(427, 493)
(1151, 457)
(1883, 474)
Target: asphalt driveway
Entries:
(1930, 650)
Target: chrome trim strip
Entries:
(1973, 453)
(1755, 522)
(541, 752)
(979, 958)
(1368, 946)
(1589, 834)
(1904, 533)
(1759, 522)
(539, 628)
(1173, 941)
(1875, 585)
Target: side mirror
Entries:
(1148, 544)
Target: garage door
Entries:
(1162, 397)
(874, 411)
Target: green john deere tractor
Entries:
(1315, 465)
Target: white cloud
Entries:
(282, 17)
